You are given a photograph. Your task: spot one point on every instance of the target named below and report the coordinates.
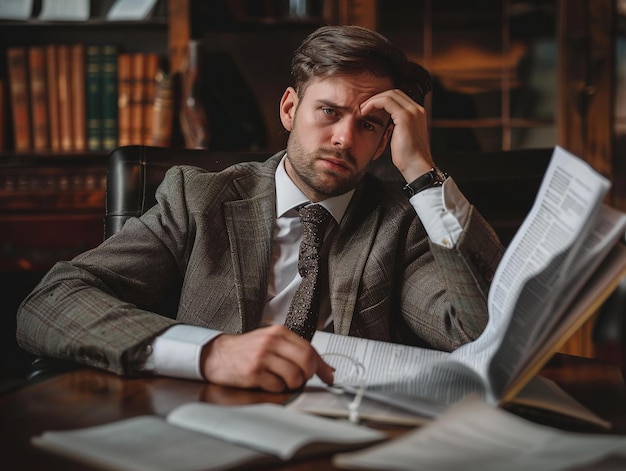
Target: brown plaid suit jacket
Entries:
(207, 245)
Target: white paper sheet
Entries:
(473, 435)
(65, 10)
(16, 9)
(125, 10)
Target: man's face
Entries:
(331, 143)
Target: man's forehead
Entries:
(361, 82)
(348, 91)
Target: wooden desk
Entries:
(89, 397)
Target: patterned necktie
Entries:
(304, 308)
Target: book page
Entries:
(420, 380)
(385, 362)
(609, 227)
(569, 196)
(335, 404)
(588, 300)
(536, 267)
(543, 393)
(270, 428)
(206, 436)
(475, 435)
(146, 443)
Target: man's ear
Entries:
(383, 142)
(288, 104)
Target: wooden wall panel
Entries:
(586, 71)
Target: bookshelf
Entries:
(54, 154)
(52, 189)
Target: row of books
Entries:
(77, 97)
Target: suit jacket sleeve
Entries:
(87, 310)
(444, 295)
(390, 283)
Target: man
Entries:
(226, 244)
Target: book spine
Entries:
(137, 94)
(53, 97)
(65, 110)
(18, 88)
(109, 97)
(123, 98)
(77, 97)
(93, 97)
(163, 111)
(38, 97)
(150, 77)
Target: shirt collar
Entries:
(289, 196)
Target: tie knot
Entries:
(314, 214)
(315, 219)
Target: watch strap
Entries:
(434, 177)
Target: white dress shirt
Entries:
(176, 352)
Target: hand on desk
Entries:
(272, 358)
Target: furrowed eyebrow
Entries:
(369, 118)
(375, 120)
(330, 104)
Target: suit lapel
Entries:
(348, 254)
(250, 224)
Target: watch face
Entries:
(439, 175)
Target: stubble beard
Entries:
(326, 183)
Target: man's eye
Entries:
(328, 111)
(368, 126)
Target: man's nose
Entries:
(343, 133)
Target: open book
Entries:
(564, 261)
(198, 436)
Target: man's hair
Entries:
(351, 50)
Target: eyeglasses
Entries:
(349, 378)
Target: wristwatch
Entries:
(434, 177)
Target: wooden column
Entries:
(586, 71)
(179, 33)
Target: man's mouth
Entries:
(336, 163)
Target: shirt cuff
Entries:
(443, 211)
(176, 352)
